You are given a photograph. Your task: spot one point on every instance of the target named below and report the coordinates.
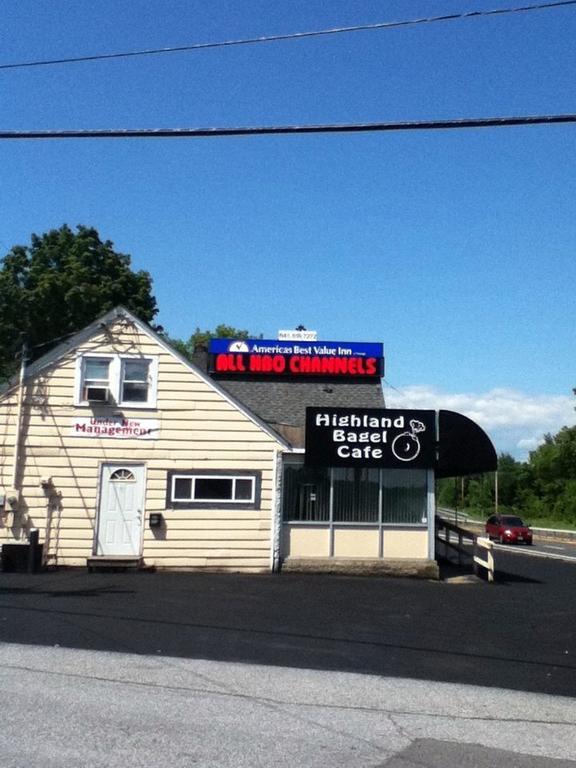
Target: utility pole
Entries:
(496, 492)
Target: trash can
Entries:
(21, 558)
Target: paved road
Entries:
(200, 669)
(542, 545)
(66, 708)
(557, 549)
(517, 634)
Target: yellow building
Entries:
(119, 451)
(114, 429)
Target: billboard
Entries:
(370, 437)
(272, 358)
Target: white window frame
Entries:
(97, 383)
(192, 501)
(116, 380)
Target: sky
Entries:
(453, 248)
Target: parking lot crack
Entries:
(383, 711)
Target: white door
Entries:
(121, 507)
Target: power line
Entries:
(178, 133)
(295, 35)
(394, 388)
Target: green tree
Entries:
(553, 468)
(201, 338)
(480, 495)
(60, 283)
(447, 493)
(509, 477)
(542, 487)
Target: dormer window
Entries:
(118, 380)
(135, 381)
(96, 380)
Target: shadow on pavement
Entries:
(518, 634)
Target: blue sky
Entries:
(455, 249)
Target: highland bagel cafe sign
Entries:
(116, 427)
(370, 437)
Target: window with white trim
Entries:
(214, 489)
(136, 381)
(96, 380)
(120, 380)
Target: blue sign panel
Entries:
(313, 348)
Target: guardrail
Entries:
(453, 514)
(482, 544)
(477, 550)
(554, 534)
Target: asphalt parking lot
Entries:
(518, 633)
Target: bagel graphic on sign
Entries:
(406, 446)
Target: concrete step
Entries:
(421, 569)
(114, 563)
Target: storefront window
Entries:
(356, 494)
(404, 494)
(306, 493)
(362, 496)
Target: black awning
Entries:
(463, 447)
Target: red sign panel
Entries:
(296, 365)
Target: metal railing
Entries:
(483, 546)
(469, 548)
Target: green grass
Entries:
(548, 522)
(535, 522)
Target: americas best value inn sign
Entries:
(258, 357)
(370, 437)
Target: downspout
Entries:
(13, 493)
(19, 421)
(432, 502)
(276, 513)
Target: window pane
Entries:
(404, 496)
(96, 369)
(182, 488)
(136, 370)
(208, 488)
(306, 493)
(356, 494)
(243, 490)
(134, 393)
(123, 474)
(135, 381)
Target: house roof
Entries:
(282, 403)
(285, 402)
(119, 312)
(277, 406)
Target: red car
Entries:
(508, 529)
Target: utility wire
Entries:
(394, 388)
(295, 35)
(178, 133)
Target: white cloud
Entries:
(529, 443)
(515, 421)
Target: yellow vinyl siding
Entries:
(198, 429)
